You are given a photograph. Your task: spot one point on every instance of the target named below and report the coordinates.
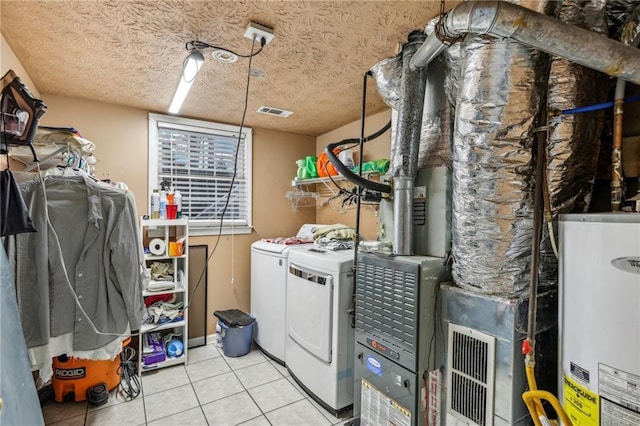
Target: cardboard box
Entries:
(153, 349)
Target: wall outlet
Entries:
(259, 31)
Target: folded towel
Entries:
(335, 232)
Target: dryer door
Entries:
(310, 310)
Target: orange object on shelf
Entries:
(175, 248)
(72, 377)
(324, 166)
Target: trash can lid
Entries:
(234, 317)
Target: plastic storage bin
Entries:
(237, 331)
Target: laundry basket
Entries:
(237, 331)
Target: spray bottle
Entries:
(177, 199)
(163, 204)
(155, 204)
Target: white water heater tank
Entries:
(599, 324)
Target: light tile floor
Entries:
(211, 390)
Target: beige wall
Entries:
(9, 61)
(373, 150)
(120, 136)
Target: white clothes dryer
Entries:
(320, 339)
(268, 289)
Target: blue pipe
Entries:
(597, 107)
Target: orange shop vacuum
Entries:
(85, 380)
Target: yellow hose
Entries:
(533, 399)
(537, 404)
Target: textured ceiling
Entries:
(131, 53)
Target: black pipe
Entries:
(359, 200)
(538, 205)
(344, 170)
(360, 157)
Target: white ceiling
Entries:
(131, 53)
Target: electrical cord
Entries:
(235, 171)
(199, 45)
(129, 380)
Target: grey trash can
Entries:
(237, 331)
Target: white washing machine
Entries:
(320, 339)
(268, 289)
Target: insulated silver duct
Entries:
(437, 115)
(388, 76)
(618, 12)
(451, 58)
(405, 158)
(500, 90)
(437, 121)
(574, 140)
(501, 19)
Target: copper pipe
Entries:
(616, 156)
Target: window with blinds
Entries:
(199, 159)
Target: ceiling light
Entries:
(190, 70)
(225, 56)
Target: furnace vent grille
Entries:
(387, 305)
(274, 111)
(470, 375)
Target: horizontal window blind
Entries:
(200, 162)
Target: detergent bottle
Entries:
(310, 165)
(346, 157)
(302, 170)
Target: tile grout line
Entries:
(169, 389)
(191, 381)
(231, 370)
(144, 403)
(304, 394)
(262, 413)
(197, 399)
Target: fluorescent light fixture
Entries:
(191, 66)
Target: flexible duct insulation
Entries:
(574, 140)
(618, 12)
(388, 75)
(500, 90)
(497, 106)
(437, 121)
(437, 116)
(451, 57)
(631, 28)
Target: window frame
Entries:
(198, 226)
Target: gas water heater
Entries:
(599, 342)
